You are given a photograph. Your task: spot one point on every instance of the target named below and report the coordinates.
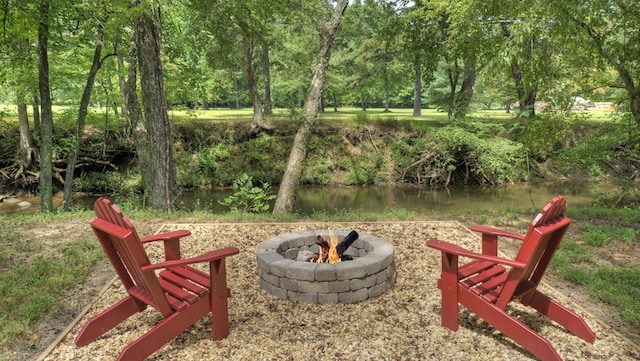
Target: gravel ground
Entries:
(402, 324)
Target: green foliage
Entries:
(596, 236)
(110, 182)
(547, 132)
(461, 155)
(64, 146)
(619, 287)
(247, 197)
(605, 234)
(497, 160)
(623, 194)
(201, 167)
(569, 259)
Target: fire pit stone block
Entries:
(371, 272)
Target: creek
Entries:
(332, 199)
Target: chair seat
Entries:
(183, 285)
(483, 278)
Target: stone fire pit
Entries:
(371, 272)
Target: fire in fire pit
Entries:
(331, 252)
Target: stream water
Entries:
(333, 199)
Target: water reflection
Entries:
(378, 199)
(428, 201)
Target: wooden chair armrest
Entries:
(450, 248)
(171, 242)
(207, 257)
(168, 236)
(496, 232)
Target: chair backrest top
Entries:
(127, 254)
(538, 247)
(554, 209)
(108, 211)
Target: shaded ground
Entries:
(390, 320)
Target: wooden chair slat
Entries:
(180, 281)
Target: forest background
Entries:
(541, 65)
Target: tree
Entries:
(19, 70)
(611, 28)
(423, 54)
(156, 149)
(529, 49)
(291, 178)
(82, 115)
(247, 23)
(46, 136)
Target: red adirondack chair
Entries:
(487, 283)
(182, 293)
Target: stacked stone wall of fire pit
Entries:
(371, 272)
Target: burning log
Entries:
(332, 252)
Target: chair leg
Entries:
(219, 300)
(108, 319)
(510, 327)
(448, 284)
(562, 315)
(164, 332)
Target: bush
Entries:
(548, 132)
(201, 167)
(477, 160)
(248, 198)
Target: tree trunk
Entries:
(122, 81)
(46, 136)
(417, 87)
(159, 173)
(452, 74)
(258, 122)
(526, 97)
(463, 98)
(387, 100)
(82, 116)
(266, 73)
(25, 157)
(35, 105)
(238, 104)
(133, 105)
(291, 179)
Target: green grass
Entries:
(599, 256)
(36, 272)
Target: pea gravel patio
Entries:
(401, 324)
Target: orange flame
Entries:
(332, 256)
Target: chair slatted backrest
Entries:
(122, 245)
(538, 247)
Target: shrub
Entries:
(247, 197)
(548, 131)
(477, 160)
